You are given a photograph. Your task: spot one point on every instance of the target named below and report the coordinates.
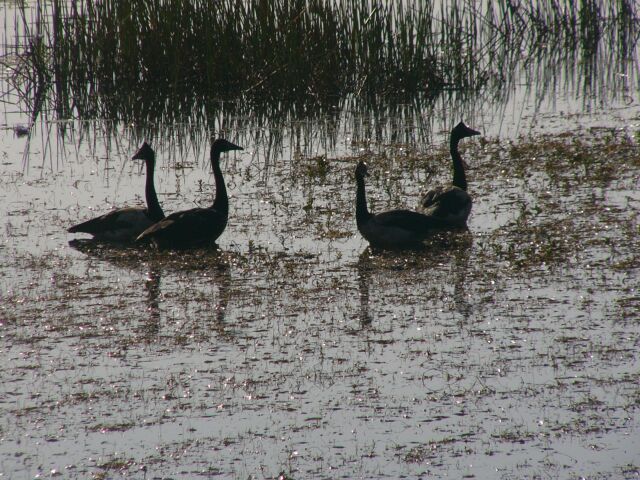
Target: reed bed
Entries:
(173, 60)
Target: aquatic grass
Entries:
(185, 60)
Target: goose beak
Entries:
(139, 155)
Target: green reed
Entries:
(179, 59)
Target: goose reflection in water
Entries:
(454, 249)
(212, 267)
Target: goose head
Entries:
(145, 152)
(461, 131)
(361, 170)
(221, 145)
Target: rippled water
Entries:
(509, 351)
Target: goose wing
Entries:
(414, 222)
(452, 204)
(121, 224)
(454, 199)
(432, 197)
(197, 225)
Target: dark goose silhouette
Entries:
(395, 229)
(452, 203)
(197, 226)
(125, 224)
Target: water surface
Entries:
(508, 351)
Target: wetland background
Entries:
(509, 351)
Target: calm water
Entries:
(506, 352)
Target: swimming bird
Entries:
(452, 203)
(125, 224)
(395, 229)
(197, 226)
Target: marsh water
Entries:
(293, 350)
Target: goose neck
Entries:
(362, 212)
(459, 177)
(221, 201)
(153, 205)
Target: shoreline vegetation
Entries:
(180, 61)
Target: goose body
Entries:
(125, 224)
(197, 226)
(452, 203)
(395, 229)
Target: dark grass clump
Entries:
(180, 59)
(187, 53)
